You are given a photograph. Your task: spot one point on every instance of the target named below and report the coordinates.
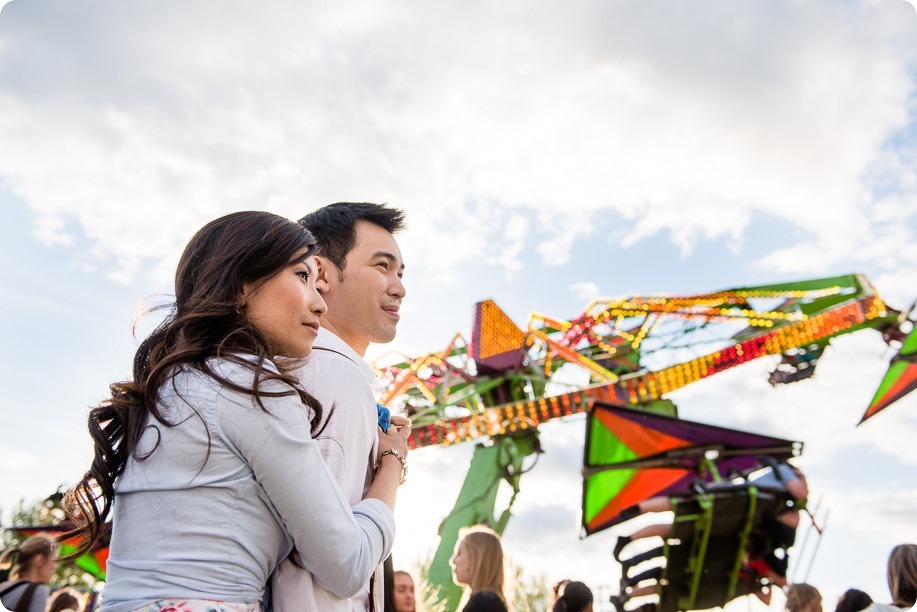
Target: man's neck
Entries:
(359, 347)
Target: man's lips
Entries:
(392, 311)
(313, 326)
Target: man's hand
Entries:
(399, 421)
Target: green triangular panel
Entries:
(605, 447)
(601, 488)
(891, 377)
(86, 562)
(910, 343)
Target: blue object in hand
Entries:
(385, 417)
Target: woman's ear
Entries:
(242, 298)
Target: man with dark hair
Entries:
(335, 226)
(359, 275)
(359, 270)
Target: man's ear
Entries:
(323, 271)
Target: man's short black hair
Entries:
(334, 226)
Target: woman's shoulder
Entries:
(213, 374)
(243, 375)
(881, 607)
(13, 591)
(13, 586)
(485, 600)
(241, 368)
(225, 387)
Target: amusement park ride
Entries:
(617, 356)
(616, 361)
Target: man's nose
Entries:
(396, 288)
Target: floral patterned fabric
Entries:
(197, 605)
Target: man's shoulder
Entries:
(332, 376)
(332, 361)
(332, 355)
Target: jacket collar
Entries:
(328, 340)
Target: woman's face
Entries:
(404, 593)
(287, 308)
(45, 567)
(461, 565)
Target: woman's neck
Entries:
(31, 574)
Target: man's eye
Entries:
(383, 265)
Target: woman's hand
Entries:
(390, 471)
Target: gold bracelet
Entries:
(399, 457)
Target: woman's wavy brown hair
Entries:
(207, 320)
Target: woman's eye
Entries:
(303, 275)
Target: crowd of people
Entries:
(245, 466)
(478, 566)
(902, 584)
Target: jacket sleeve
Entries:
(339, 545)
(349, 428)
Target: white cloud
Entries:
(897, 286)
(134, 134)
(513, 240)
(806, 258)
(890, 513)
(586, 290)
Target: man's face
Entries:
(364, 298)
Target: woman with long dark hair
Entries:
(206, 459)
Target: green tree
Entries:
(530, 593)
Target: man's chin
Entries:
(385, 337)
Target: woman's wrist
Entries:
(395, 456)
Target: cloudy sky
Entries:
(545, 153)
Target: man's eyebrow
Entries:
(386, 255)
